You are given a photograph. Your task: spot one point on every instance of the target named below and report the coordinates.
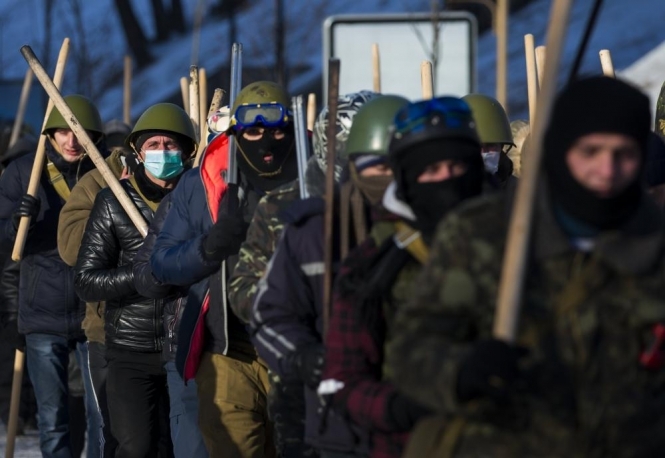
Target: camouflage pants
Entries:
(286, 405)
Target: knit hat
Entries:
(594, 105)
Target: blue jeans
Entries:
(47, 357)
(184, 416)
(92, 410)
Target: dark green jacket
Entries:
(586, 319)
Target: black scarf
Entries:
(150, 190)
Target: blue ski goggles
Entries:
(264, 114)
(445, 112)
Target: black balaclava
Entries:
(594, 105)
(282, 164)
(431, 201)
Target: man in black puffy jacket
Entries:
(163, 140)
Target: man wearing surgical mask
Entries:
(162, 142)
(496, 137)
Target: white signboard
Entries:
(404, 41)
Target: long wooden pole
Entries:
(531, 75)
(426, 79)
(194, 111)
(333, 95)
(376, 68)
(606, 63)
(311, 111)
(502, 7)
(19, 243)
(85, 141)
(203, 108)
(184, 89)
(513, 271)
(541, 52)
(40, 156)
(127, 93)
(20, 112)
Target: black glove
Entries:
(403, 413)
(9, 331)
(308, 364)
(29, 206)
(224, 238)
(491, 370)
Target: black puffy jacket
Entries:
(147, 285)
(104, 273)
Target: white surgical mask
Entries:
(491, 160)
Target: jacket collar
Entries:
(634, 249)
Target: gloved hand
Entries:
(224, 238)
(29, 206)
(491, 370)
(9, 331)
(403, 413)
(308, 364)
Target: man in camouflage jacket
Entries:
(585, 378)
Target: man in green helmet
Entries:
(49, 313)
(495, 135)
(197, 248)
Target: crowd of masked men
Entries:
(209, 337)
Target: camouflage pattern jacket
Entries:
(255, 252)
(586, 320)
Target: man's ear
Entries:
(131, 161)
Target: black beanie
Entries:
(594, 105)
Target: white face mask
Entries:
(491, 160)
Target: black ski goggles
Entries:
(264, 114)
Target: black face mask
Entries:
(268, 163)
(431, 201)
(583, 205)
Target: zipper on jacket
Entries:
(172, 323)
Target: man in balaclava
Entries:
(435, 157)
(198, 247)
(584, 374)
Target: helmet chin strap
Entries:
(266, 174)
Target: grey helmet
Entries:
(347, 107)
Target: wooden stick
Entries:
(513, 270)
(214, 106)
(531, 75)
(127, 94)
(194, 112)
(184, 89)
(376, 68)
(606, 63)
(311, 111)
(426, 79)
(501, 14)
(12, 424)
(203, 107)
(333, 95)
(40, 156)
(85, 141)
(541, 52)
(22, 104)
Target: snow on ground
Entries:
(25, 446)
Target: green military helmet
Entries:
(492, 122)
(85, 111)
(370, 131)
(166, 117)
(261, 92)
